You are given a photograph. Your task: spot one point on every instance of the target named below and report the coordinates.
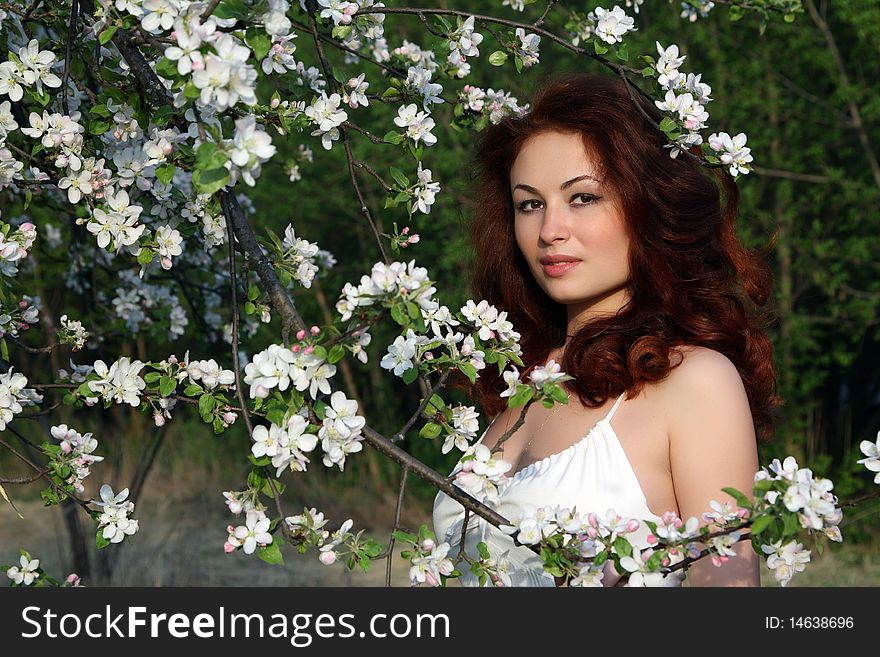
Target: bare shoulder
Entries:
(702, 371)
(705, 385)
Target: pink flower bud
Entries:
(295, 348)
(308, 349)
(159, 419)
(431, 580)
(315, 330)
(168, 148)
(300, 334)
(73, 579)
(275, 102)
(413, 239)
(427, 545)
(65, 447)
(327, 558)
(592, 532)
(405, 230)
(467, 466)
(632, 525)
(651, 539)
(261, 391)
(27, 225)
(593, 520)
(173, 359)
(23, 304)
(664, 562)
(277, 48)
(428, 355)
(229, 417)
(24, 325)
(228, 547)
(166, 263)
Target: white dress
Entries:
(593, 474)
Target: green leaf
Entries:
(192, 390)
(206, 405)
(150, 377)
(622, 547)
(760, 524)
(735, 12)
(469, 371)
(232, 9)
(668, 124)
(498, 58)
(518, 63)
(165, 173)
(99, 127)
(399, 177)
(521, 396)
(145, 257)
(208, 182)
(107, 34)
(393, 137)
(483, 550)
(271, 554)
(253, 292)
(100, 541)
(336, 354)
(740, 498)
(249, 308)
(410, 375)
(167, 385)
(166, 68)
(598, 47)
(259, 41)
(430, 431)
(341, 31)
(623, 52)
(398, 315)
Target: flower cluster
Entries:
(417, 125)
(206, 373)
(610, 26)
(14, 245)
(340, 432)
(31, 68)
(114, 518)
(26, 572)
(429, 561)
(248, 149)
(280, 367)
(14, 395)
(120, 383)
(75, 454)
(396, 280)
(489, 103)
(285, 445)
(19, 317)
(72, 332)
(299, 257)
(463, 44)
(324, 112)
(481, 474)
(786, 560)
(527, 49)
(252, 534)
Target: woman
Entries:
(621, 264)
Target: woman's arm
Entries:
(711, 445)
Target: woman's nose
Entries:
(555, 224)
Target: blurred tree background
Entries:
(805, 93)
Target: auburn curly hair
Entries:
(692, 280)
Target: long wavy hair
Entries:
(692, 280)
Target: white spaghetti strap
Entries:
(614, 408)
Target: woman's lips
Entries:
(560, 268)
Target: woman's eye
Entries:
(587, 198)
(523, 205)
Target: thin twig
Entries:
(403, 475)
(71, 28)
(400, 435)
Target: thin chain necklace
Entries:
(555, 408)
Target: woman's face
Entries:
(560, 208)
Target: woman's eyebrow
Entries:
(565, 185)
